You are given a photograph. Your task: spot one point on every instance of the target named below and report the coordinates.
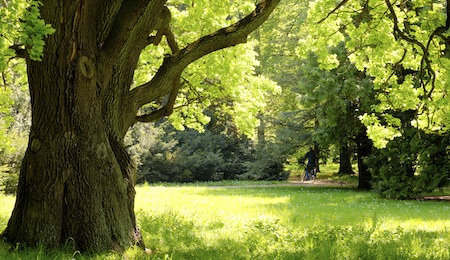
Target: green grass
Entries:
(282, 222)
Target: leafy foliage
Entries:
(14, 124)
(336, 98)
(285, 128)
(400, 45)
(22, 28)
(227, 76)
(317, 106)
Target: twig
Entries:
(334, 10)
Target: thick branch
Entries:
(167, 109)
(229, 36)
(21, 52)
(127, 20)
(174, 65)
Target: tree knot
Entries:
(86, 66)
(35, 145)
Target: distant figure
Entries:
(312, 162)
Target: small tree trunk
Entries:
(345, 165)
(364, 148)
(317, 152)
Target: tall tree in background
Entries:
(316, 105)
(338, 97)
(284, 119)
(77, 180)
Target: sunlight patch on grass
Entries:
(415, 224)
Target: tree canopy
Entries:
(403, 45)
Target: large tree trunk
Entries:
(74, 193)
(76, 180)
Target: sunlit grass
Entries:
(241, 221)
(6, 206)
(294, 222)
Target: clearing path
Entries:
(324, 183)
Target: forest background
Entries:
(359, 87)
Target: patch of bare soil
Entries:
(335, 183)
(435, 198)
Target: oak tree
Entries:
(77, 180)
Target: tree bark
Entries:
(316, 149)
(364, 149)
(345, 164)
(76, 183)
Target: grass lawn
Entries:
(274, 222)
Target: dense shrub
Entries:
(411, 164)
(231, 170)
(434, 163)
(265, 168)
(167, 155)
